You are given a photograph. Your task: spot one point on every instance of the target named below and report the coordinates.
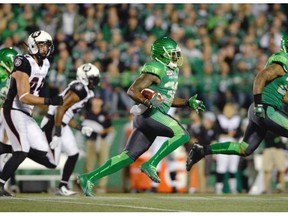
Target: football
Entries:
(148, 93)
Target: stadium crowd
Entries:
(224, 45)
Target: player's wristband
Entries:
(257, 99)
(57, 131)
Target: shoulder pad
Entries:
(79, 89)
(154, 67)
(279, 58)
(21, 63)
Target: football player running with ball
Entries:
(151, 118)
(265, 114)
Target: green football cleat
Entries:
(150, 171)
(86, 185)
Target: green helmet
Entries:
(7, 56)
(284, 43)
(166, 51)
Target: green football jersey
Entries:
(168, 84)
(274, 92)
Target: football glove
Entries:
(56, 141)
(86, 131)
(259, 111)
(155, 101)
(195, 104)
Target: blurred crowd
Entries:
(224, 45)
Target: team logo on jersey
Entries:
(169, 73)
(17, 62)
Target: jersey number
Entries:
(35, 85)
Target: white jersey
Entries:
(37, 74)
(84, 94)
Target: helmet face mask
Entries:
(89, 75)
(166, 51)
(284, 43)
(37, 41)
(7, 56)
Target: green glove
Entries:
(195, 104)
(259, 111)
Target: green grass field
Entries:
(145, 202)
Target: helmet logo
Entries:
(86, 68)
(36, 34)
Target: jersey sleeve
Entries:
(22, 64)
(279, 58)
(79, 89)
(154, 68)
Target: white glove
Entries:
(138, 109)
(87, 131)
(56, 141)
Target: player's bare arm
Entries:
(179, 102)
(266, 75)
(144, 81)
(69, 100)
(285, 99)
(73, 123)
(23, 89)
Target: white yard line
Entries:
(61, 200)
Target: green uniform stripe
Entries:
(277, 117)
(229, 148)
(113, 165)
(167, 121)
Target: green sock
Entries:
(167, 147)
(111, 166)
(233, 148)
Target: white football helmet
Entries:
(89, 75)
(40, 37)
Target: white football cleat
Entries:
(64, 191)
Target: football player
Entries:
(152, 120)
(265, 114)
(76, 95)
(26, 80)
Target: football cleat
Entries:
(4, 193)
(65, 191)
(86, 185)
(195, 155)
(150, 171)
